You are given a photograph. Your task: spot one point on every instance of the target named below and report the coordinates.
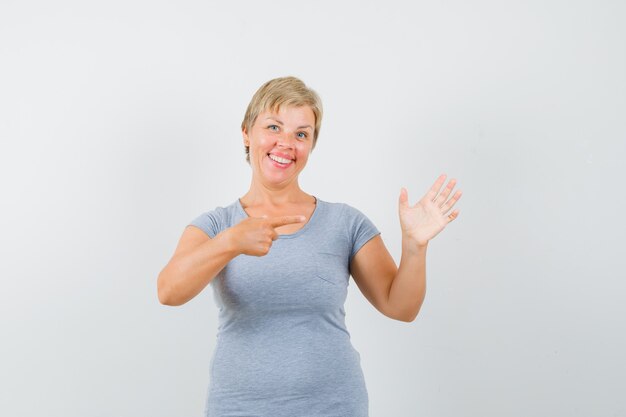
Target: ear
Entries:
(246, 140)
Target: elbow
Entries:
(409, 315)
(164, 292)
(406, 319)
(411, 318)
(406, 316)
(163, 297)
(166, 299)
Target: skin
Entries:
(277, 205)
(275, 192)
(397, 292)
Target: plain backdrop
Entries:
(119, 124)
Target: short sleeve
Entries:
(210, 222)
(360, 229)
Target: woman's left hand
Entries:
(428, 217)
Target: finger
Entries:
(435, 188)
(445, 193)
(403, 201)
(452, 201)
(453, 215)
(283, 220)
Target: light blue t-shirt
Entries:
(283, 349)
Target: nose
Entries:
(286, 140)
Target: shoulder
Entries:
(340, 208)
(227, 210)
(221, 210)
(217, 219)
(330, 207)
(347, 211)
(358, 228)
(346, 214)
(351, 211)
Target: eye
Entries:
(273, 128)
(302, 135)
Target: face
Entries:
(280, 144)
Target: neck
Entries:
(261, 194)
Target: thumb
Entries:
(403, 201)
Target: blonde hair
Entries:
(283, 91)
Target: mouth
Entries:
(278, 161)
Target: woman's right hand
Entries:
(254, 235)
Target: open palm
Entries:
(424, 220)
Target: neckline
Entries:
(297, 232)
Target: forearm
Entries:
(408, 287)
(186, 276)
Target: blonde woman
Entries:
(279, 260)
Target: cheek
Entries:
(262, 142)
(303, 150)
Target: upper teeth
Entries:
(279, 159)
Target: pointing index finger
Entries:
(283, 220)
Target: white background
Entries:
(119, 124)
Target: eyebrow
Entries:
(281, 123)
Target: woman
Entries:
(279, 260)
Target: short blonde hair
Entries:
(283, 91)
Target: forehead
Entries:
(297, 115)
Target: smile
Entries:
(279, 160)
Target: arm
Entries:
(398, 293)
(408, 287)
(420, 223)
(196, 261)
(198, 258)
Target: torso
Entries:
(305, 209)
(287, 307)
